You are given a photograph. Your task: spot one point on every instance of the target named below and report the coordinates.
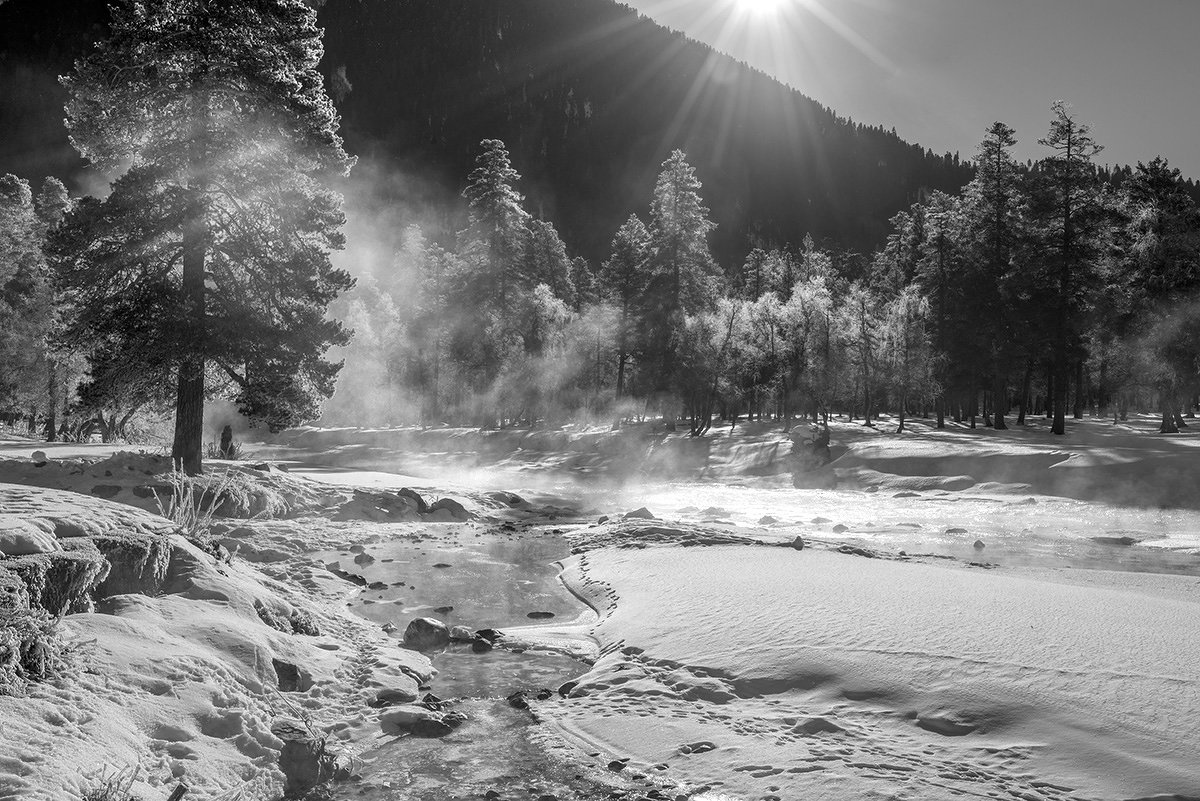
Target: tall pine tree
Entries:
(209, 261)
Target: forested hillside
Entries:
(589, 97)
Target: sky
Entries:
(941, 71)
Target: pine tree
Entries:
(1070, 211)
(992, 217)
(498, 231)
(683, 274)
(211, 254)
(622, 281)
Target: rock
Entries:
(456, 509)
(617, 765)
(1123, 541)
(389, 696)
(415, 497)
(639, 514)
(389, 627)
(18, 538)
(490, 635)
(105, 490)
(956, 531)
(480, 645)
(420, 721)
(364, 559)
(358, 549)
(442, 566)
(431, 728)
(979, 546)
(767, 520)
(461, 634)
(540, 615)
(517, 701)
(443, 610)
(306, 761)
(798, 543)
(854, 550)
(377, 585)
(602, 520)
(38, 457)
(821, 520)
(426, 634)
(839, 528)
(906, 495)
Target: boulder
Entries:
(453, 507)
(417, 501)
(419, 721)
(798, 543)
(639, 514)
(461, 634)
(979, 546)
(426, 634)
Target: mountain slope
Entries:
(589, 96)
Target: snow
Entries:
(812, 674)
(1064, 666)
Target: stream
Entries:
(479, 577)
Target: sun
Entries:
(759, 6)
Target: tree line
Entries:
(1052, 288)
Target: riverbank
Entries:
(767, 672)
(726, 663)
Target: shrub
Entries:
(31, 650)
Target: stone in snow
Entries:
(426, 634)
(639, 514)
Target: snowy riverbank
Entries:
(1059, 665)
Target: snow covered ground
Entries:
(1062, 664)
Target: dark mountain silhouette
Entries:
(590, 97)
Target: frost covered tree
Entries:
(906, 350)
(24, 301)
(622, 281)
(682, 270)
(208, 263)
(498, 232)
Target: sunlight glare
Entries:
(759, 6)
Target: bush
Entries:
(31, 650)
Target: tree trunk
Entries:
(189, 399)
(1025, 391)
(1168, 415)
(52, 400)
(1077, 412)
(1000, 401)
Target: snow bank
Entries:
(187, 684)
(768, 672)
